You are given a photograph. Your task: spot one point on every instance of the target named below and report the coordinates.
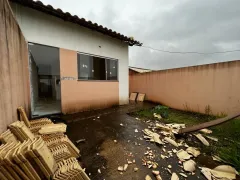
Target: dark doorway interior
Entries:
(45, 80)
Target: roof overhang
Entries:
(66, 16)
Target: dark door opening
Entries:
(45, 80)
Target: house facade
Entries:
(93, 60)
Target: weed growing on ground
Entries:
(162, 110)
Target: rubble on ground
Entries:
(164, 134)
(206, 131)
(171, 141)
(148, 177)
(202, 139)
(157, 116)
(80, 140)
(183, 155)
(120, 168)
(174, 176)
(212, 138)
(152, 136)
(125, 167)
(135, 169)
(157, 175)
(184, 175)
(217, 158)
(189, 165)
(129, 162)
(193, 151)
(221, 172)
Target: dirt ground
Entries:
(100, 151)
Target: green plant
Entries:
(231, 155)
(144, 113)
(208, 110)
(162, 110)
(222, 114)
(186, 108)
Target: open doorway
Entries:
(45, 80)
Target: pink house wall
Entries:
(213, 88)
(83, 95)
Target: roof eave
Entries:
(66, 16)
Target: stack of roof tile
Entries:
(32, 156)
(52, 134)
(70, 169)
(34, 125)
(30, 159)
(20, 157)
(8, 136)
(61, 152)
(21, 131)
(51, 143)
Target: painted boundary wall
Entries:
(14, 73)
(211, 88)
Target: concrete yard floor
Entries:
(100, 129)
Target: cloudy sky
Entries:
(173, 25)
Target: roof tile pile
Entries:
(29, 155)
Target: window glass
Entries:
(99, 68)
(91, 68)
(96, 68)
(112, 69)
(85, 64)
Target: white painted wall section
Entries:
(48, 30)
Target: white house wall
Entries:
(44, 29)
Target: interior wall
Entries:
(34, 82)
(83, 95)
(14, 72)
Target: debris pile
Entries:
(39, 149)
(124, 168)
(162, 134)
(152, 137)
